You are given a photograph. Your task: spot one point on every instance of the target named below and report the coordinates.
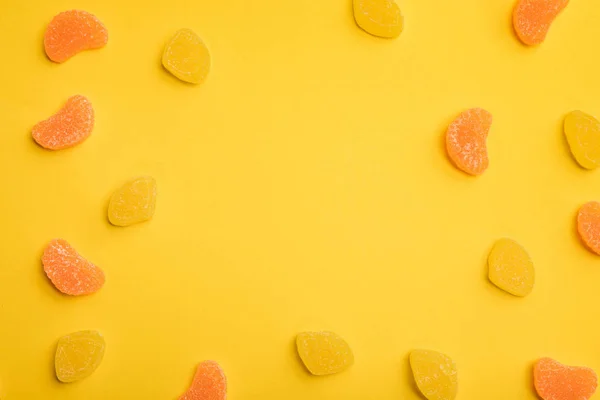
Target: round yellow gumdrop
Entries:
(510, 268)
(435, 374)
(78, 355)
(133, 202)
(324, 353)
(187, 57)
(379, 17)
(583, 135)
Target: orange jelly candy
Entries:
(69, 272)
(209, 383)
(588, 225)
(68, 127)
(72, 32)
(466, 140)
(555, 381)
(532, 18)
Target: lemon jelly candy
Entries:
(324, 353)
(510, 268)
(435, 374)
(133, 202)
(209, 383)
(583, 135)
(380, 18)
(187, 57)
(555, 381)
(78, 355)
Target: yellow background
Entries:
(303, 186)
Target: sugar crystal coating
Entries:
(133, 202)
(72, 32)
(187, 57)
(209, 383)
(511, 268)
(466, 140)
(380, 18)
(324, 353)
(68, 271)
(435, 374)
(78, 355)
(555, 381)
(588, 225)
(583, 135)
(532, 18)
(71, 125)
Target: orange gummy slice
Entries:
(466, 140)
(71, 32)
(70, 272)
(532, 18)
(555, 381)
(68, 127)
(209, 383)
(588, 225)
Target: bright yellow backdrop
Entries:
(304, 186)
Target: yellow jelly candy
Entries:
(78, 355)
(324, 353)
(187, 57)
(510, 268)
(132, 203)
(379, 17)
(583, 135)
(435, 374)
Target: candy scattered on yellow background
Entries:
(435, 374)
(532, 18)
(510, 268)
(583, 135)
(71, 125)
(134, 202)
(555, 381)
(209, 383)
(78, 355)
(324, 353)
(379, 17)
(187, 57)
(69, 271)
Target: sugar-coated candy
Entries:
(187, 57)
(209, 383)
(466, 140)
(72, 32)
(555, 381)
(78, 355)
(380, 18)
(583, 135)
(133, 202)
(510, 268)
(71, 125)
(588, 225)
(324, 353)
(532, 18)
(68, 271)
(435, 374)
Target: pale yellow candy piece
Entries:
(510, 268)
(583, 135)
(379, 17)
(435, 374)
(133, 202)
(324, 353)
(78, 355)
(187, 57)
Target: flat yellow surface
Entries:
(303, 186)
